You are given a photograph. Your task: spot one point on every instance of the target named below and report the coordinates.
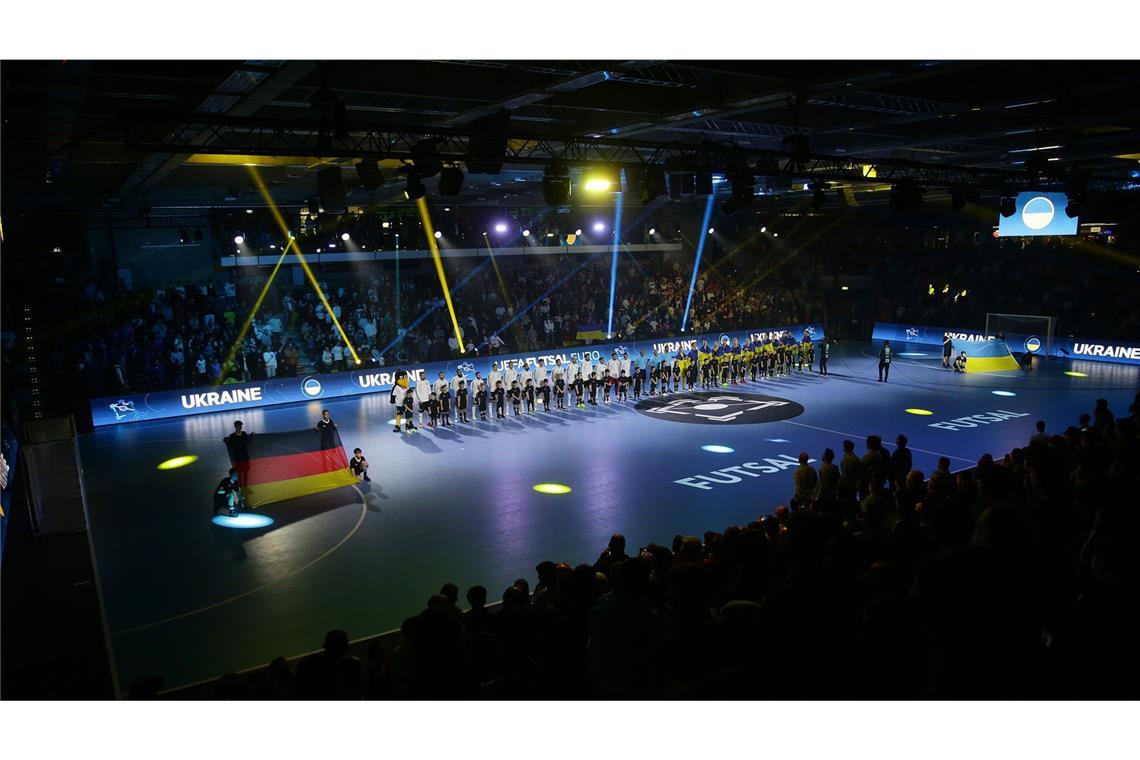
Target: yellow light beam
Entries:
(430, 232)
(249, 319)
(300, 257)
(325, 301)
(495, 264)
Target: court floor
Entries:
(188, 600)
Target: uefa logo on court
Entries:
(725, 408)
(311, 387)
(1032, 344)
(1038, 212)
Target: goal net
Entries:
(1024, 333)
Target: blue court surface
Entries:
(189, 599)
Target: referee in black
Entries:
(885, 354)
(947, 350)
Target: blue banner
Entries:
(119, 410)
(1066, 347)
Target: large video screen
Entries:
(1038, 214)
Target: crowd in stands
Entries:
(180, 335)
(125, 340)
(1090, 289)
(1017, 578)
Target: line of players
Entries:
(529, 386)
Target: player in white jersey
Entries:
(455, 381)
(625, 366)
(573, 375)
(510, 376)
(525, 374)
(539, 373)
(613, 371)
(439, 384)
(494, 377)
(423, 395)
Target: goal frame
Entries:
(1050, 323)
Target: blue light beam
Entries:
(613, 264)
(431, 310)
(697, 264)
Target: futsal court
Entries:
(188, 599)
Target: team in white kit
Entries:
(527, 387)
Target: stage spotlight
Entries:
(425, 156)
(438, 234)
(598, 227)
(712, 230)
(743, 191)
(704, 183)
(959, 198)
(500, 228)
(1008, 207)
(652, 230)
(906, 197)
(578, 232)
(238, 239)
(799, 145)
(249, 211)
(526, 233)
(646, 183)
(818, 194)
(450, 180)
(1073, 208)
(763, 230)
(292, 235)
(345, 236)
(775, 234)
(556, 185)
(415, 188)
(602, 180)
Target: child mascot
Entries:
(399, 393)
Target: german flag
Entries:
(278, 466)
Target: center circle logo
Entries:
(719, 408)
(1033, 344)
(1038, 212)
(311, 387)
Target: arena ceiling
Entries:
(95, 135)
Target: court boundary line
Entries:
(289, 574)
(854, 436)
